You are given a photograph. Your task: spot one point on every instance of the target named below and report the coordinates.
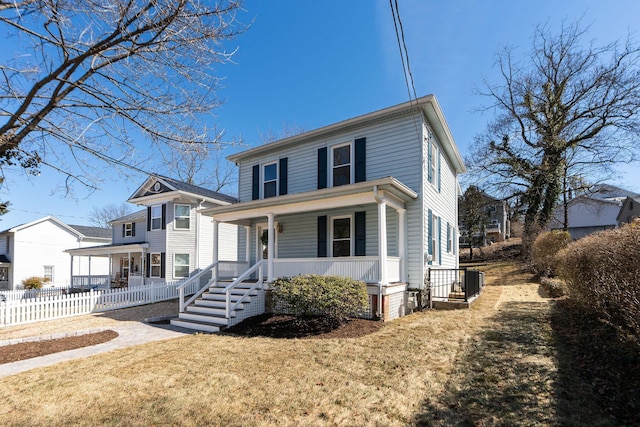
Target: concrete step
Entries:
(195, 326)
(209, 311)
(203, 318)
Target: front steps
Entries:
(208, 312)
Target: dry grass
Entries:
(494, 364)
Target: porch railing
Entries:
(257, 267)
(454, 284)
(359, 268)
(196, 278)
(93, 281)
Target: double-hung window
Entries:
(435, 239)
(434, 163)
(270, 180)
(182, 214)
(341, 236)
(156, 217)
(341, 165)
(180, 265)
(155, 264)
(48, 273)
(128, 229)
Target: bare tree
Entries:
(101, 216)
(85, 79)
(203, 165)
(570, 108)
(286, 131)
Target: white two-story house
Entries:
(166, 241)
(373, 198)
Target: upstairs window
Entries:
(128, 229)
(182, 216)
(341, 165)
(434, 163)
(156, 217)
(270, 180)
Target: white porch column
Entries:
(402, 243)
(89, 271)
(382, 240)
(214, 273)
(247, 245)
(71, 276)
(270, 248)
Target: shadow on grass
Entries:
(516, 371)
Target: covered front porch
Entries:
(127, 264)
(344, 231)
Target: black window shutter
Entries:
(361, 233)
(164, 216)
(322, 168)
(133, 229)
(148, 265)
(149, 218)
(322, 236)
(123, 226)
(255, 183)
(163, 259)
(361, 159)
(283, 176)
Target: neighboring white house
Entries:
(166, 241)
(592, 211)
(38, 249)
(373, 198)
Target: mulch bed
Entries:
(28, 350)
(317, 327)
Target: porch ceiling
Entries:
(389, 189)
(107, 250)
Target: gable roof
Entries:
(79, 230)
(141, 214)
(148, 190)
(427, 105)
(93, 232)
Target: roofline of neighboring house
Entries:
(166, 181)
(47, 218)
(428, 105)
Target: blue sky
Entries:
(312, 63)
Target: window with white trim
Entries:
(155, 264)
(182, 216)
(341, 237)
(435, 240)
(434, 163)
(449, 238)
(341, 161)
(180, 265)
(270, 180)
(128, 229)
(156, 217)
(48, 273)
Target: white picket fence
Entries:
(48, 307)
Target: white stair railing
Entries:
(197, 276)
(227, 290)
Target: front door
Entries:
(262, 243)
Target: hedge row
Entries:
(602, 273)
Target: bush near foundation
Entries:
(335, 297)
(602, 273)
(34, 282)
(544, 250)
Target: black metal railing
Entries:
(450, 284)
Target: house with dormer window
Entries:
(373, 198)
(165, 241)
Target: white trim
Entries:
(331, 166)
(175, 217)
(152, 218)
(351, 234)
(151, 265)
(276, 180)
(181, 265)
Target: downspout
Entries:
(378, 201)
